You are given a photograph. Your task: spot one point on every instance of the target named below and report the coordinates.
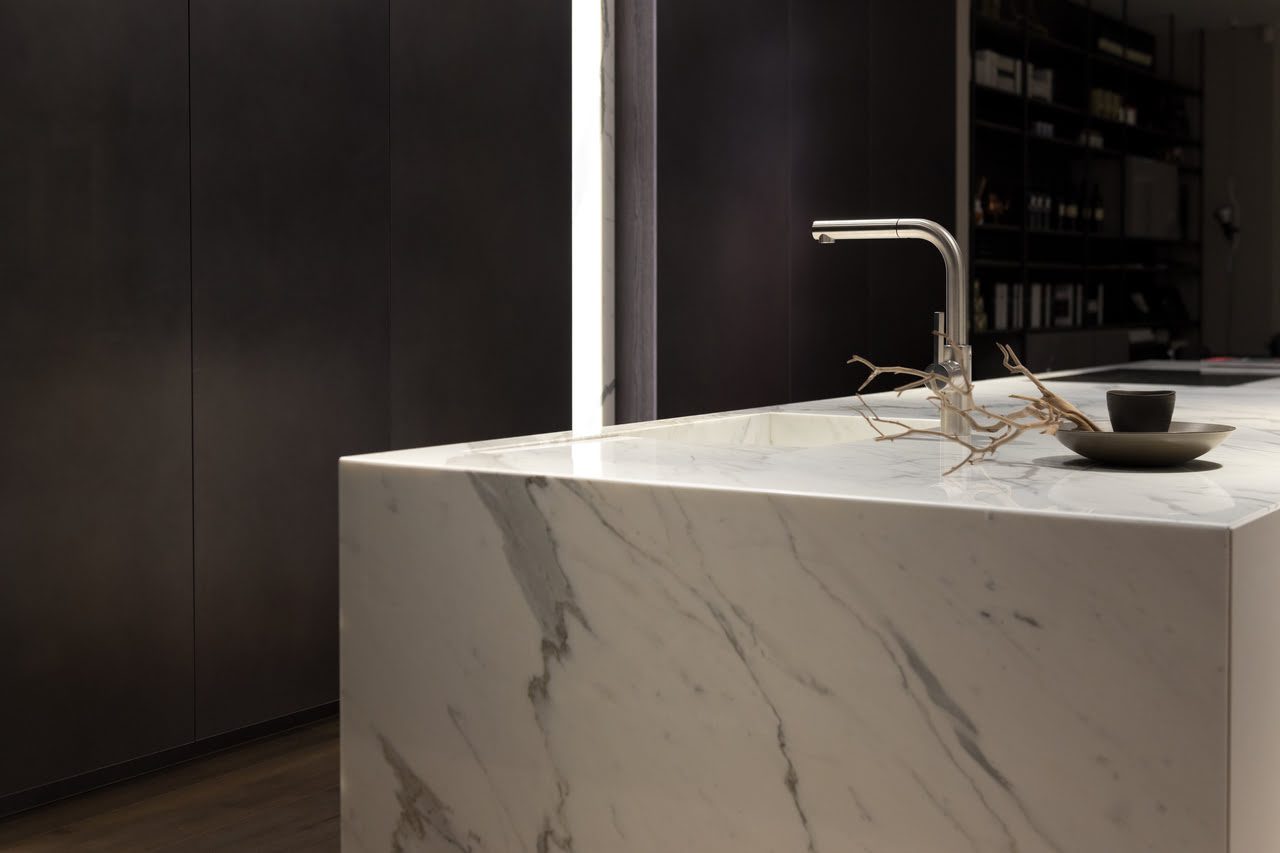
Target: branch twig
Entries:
(1044, 414)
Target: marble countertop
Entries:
(1233, 484)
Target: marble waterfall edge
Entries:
(553, 664)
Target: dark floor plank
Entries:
(280, 793)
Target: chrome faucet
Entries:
(952, 363)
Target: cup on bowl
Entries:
(1140, 411)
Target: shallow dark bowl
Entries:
(1179, 445)
(1140, 411)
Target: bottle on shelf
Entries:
(1036, 206)
(1071, 211)
(981, 322)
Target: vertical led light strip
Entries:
(592, 216)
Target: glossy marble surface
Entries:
(1236, 482)
(637, 643)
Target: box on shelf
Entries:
(1090, 139)
(1139, 57)
(1001, 320)
(1040, 83)
(998, 71)
(1062, 310)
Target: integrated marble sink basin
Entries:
(770, 429)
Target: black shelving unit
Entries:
(1162, 275)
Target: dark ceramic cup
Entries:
(1140, 411)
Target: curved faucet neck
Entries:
(957, 303)
(952, 360)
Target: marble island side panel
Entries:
(541, 664)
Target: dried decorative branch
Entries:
(1014, 365)
(1044, 414)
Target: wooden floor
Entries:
(277, 794)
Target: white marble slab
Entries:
(636, 644)
(1234, 483)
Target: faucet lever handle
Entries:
(939, 337)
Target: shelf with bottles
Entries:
(1085, 144)
(1174, 138)
(1143, 75)
(1076, 208)
(996, 199)
(1005, 307)
(1107, 105)
(1001, 304)
(1074, 33)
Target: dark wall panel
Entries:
(723, 205)
(480, 301)
(830, 287)
(290, 276)
(771, 115)
(635, 204)
(95, 582)
(911, 154)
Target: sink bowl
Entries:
(770, 429)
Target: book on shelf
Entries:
(1062, 310)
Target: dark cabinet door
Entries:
(830, 287)
(480, 198)
(289, 139)
(911, 148)
(95, 396)
(723, 199)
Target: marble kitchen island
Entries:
(768, 633)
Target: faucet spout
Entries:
(957, 306)
(953, 359)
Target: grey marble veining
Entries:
(643, 645)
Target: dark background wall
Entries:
(242, 238)
(289, 182)
(238, 240)
(722, 198)
(95, 379)
(480, 273)
(771, 115)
